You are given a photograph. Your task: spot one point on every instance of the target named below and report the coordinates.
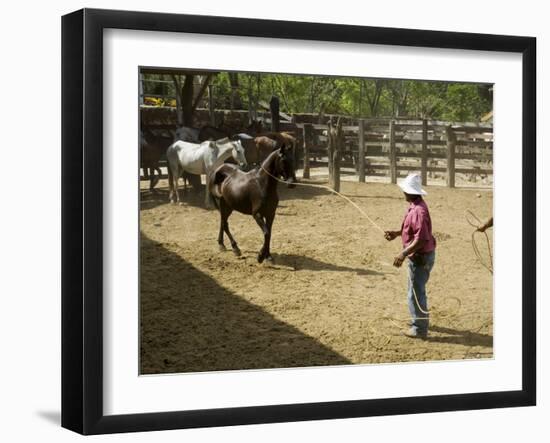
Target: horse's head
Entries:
(284, 166)
(255, 127)
(237, 153)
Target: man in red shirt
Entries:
(419, 248)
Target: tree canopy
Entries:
(358, 97)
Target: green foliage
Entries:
(464, 103)
(359, 97)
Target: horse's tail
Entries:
(210, 193)
(210, 200)
(214, 182)
(213, 199)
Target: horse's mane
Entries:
(267, 162)
(222, 141)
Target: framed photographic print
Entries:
(270, 221)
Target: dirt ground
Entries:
(332, 296)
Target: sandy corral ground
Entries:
(332, 296)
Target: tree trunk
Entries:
(184, 99)
(187, 100)
(252, 115)
(236, 102)
(177, 88)
(274, 108)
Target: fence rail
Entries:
(406, 145)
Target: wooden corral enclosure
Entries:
(389, 146)
(371, 147)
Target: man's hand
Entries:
(398, 260)
(390, 235)
(488, 224)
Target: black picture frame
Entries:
(82, 218)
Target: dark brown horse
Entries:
(212, 133)
(257, 149)
(253, 192)
(284, 138)
(152, 148)
(264, 147)
(267, 142)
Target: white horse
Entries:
(199, 159)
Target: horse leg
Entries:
(184, 178)
(176, 185)
(151, 179)
(155, 177)
(175, 195)
(225, 213)
(221, 246)
(267, 236)
(171, 183)
(269, 223)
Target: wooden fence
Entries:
(389, 147)
(370, 147)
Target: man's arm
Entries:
(486, 225)
(390, 235)
(411, 248)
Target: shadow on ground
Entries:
(190, 323)
(460, 337)
(299, 262)
(194, 196)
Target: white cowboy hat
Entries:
(412, 185)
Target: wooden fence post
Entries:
(424, 153)
(339, 146)
(330, 149)
(308, 138)
(361, 152)
(274, 108)
(141, 93)
(333, 152)
(451, 144)
(211, 110)
(393, 154)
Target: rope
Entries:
(311, 185)
(432, 313)
(487, 264)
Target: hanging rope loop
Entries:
(487, 263)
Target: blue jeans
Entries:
(419, 273)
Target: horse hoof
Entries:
(260, 258)
(222, 248)
(180, 203)
(237, 252)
